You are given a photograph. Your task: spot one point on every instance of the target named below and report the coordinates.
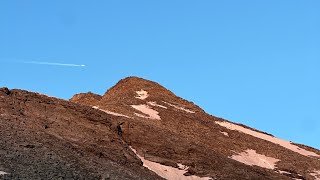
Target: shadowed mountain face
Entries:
(171, 132)
(48, 138)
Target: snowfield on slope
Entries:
(179, 108)
(290, 174)
(145, 109)
(168, 172)
(250, 157)
(142, 116)
(110, 112)
(224, 133)
(156, 105)
(281, 142)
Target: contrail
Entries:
(54, 64)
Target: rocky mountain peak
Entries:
(89, 97)
(135, 90)
(128, 88)
(165, 129)
(138, 119)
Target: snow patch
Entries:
(316, 174)
(3, 173)
(140, 115)
(284, 172)
(168, 172)
(182, 167)
(281, 142)
(224, 133)
(157, 105)
(289, 174)
(145, 109)
(142, 94)
(110, 112)
(178, 107)
(250, 157)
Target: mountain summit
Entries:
(137, 130)
(172, 132)
(135, 90)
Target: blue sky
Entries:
(252, 62)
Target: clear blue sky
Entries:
(252, 62)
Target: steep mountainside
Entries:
(172, 135)
(48, 138)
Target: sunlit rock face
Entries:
(167, 130)
(137, 130)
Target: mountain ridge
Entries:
(148, 105)
(38, 143)
(137, 130)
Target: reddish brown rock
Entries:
(187, 135)
(48, 138)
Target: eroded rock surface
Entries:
(48, 138)
(182, 133)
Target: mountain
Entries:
(48, 138)
(137, 130)
(167, 130)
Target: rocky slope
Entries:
(137, 130)
(48, 138)
(172, 135)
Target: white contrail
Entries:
(54, 64)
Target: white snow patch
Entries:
(281, 142)
(110, 112)
(142, 94)
(250, 157)
(140, 115)
(284, 172)
(3, 173)
(224, 133)
(288, 174)
(168, 172)
(178, 107)
(316, 174)
(145, 109)
(157, 105)
(182, 167)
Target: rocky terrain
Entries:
(137, 130)
(169, 130)
(47, 138)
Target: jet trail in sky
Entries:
(54, 64)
